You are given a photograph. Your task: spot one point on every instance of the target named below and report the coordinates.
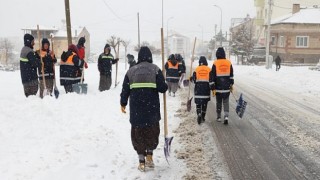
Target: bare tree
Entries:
(125, 43)
(113, 42)
(153, 49)
(6, 47)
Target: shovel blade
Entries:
(189, 105)
(167, 147)
(56, 92)
(80, 88)
(186, 83)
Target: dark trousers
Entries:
(202, 109)
(68, 88)
(49, 84)
(145, 138)
(31, 88)
(222, 98)
(105, 82)
(277, 67)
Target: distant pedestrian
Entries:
(82, 55)
(202, 89)
(141, 86)
(131, 60)
(29, 63)
(221, 81)
(278, 62)
(182, 68)
(105, 62)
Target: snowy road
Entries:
(278, 138)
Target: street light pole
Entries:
(168, 35)
(202, 34)
(220, 23)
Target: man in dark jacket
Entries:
(142, 83)
(105, 62)
(48, 59)
(182, 68)
(278, 62)
(29, 62)
(69, 65)
(81, 54)
(131, 60)
(221, 82)
(201, 89)
(172, 74)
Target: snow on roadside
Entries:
(76, 136)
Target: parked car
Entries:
(258, 55)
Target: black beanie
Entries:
(44, 41)
(28, 38)
(107, 46)
(203, 61)
(220, 54)
(81, 41)
(144, 55)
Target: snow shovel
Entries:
(45, 91)
(241, 106)
(192, 58)
(80, 88)
(167, 140)
(55, 90)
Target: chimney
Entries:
(295, 8)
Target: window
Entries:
(281, 41)
(302, 41)
(273, 40)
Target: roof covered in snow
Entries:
(304, 16)
(58, 32)
(41, 27)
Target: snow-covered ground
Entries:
(74, 136)
(86, 137)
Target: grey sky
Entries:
(122, 20)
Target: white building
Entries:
(178, 44)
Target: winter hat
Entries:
(220, 54)
(28, 38)
(130, 57)
(171, 57)
(179, 57)
(44, 41)
(144, 55)
(203, 61)
(73, 48)
(81, 41)
(107, 46)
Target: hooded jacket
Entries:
(142, 83)
(48, 61)
(172, 70)
(29, 61)
(105, 61)
(201, 77)
(221, 75)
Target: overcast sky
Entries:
(104, 18)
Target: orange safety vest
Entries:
(171, 66)
(222, 67)
(202, 73)
(69, 60)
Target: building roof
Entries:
(41, 27)
(58, 32)
(304, 16)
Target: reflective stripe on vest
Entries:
(70, 78)
(222, 67)
(107, 57)
(24, 59)
(201, 97)
(171, 66)
(202, 74)
(46, 74)
(222, 91)
(143, 85)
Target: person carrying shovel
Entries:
(142, 84)
(105, 63)
(49, 60)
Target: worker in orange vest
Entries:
(221, 82)
(172, 74)
(202, 89)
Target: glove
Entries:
(116, 59)
(190, 79)
(231, 88)
(123, 109)
(86, 65)
(214, 93)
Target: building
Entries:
(60, 40)
(279, 9)
(296, 36)
(178, 44)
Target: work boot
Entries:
(149, 161)
(141, 166)
(225, 120)
(199, 119)
(202, 117)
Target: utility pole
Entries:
(138, 32)
(68, 21)
(268, 34)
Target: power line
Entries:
(105, 3)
